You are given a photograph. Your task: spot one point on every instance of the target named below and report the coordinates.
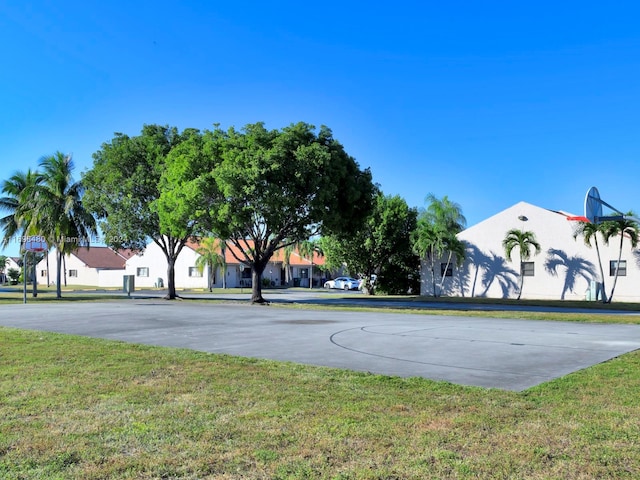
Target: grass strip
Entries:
(80, 408)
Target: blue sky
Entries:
(489, 103)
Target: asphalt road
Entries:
(486, 352)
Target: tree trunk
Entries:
(223, 267)
(210, 269)
(604, 292)
(171, 278)
(521, 281)
(58, 273)
(615, 278)
(444, 274)
(256, 283)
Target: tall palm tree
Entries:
(4, 261)
(59, 215)
(589, 231)
(622, 228)
(307, 249)
(437, 228)
(17, 202)
(524, 242)
(286, 262)
(211, 256)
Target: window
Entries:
(43, 273)
(304, 273)
(449, 270)
(527, 269)
(194, 272)
(73, 273)
(246, 272)
(622, 268)
(142, 272)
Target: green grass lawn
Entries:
(78, 408)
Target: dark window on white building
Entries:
(622, 268)
(448, 268)
(527, 269)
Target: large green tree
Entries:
(435, 235)
(266, 189)
(122, 189)
(525, 242)
(623, 228)
(382, 247)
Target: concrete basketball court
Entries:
(486, 352)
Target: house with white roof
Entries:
(566, 268)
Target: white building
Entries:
(104, 267)
(565, 268)
(94, 266)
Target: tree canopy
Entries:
(122, 189)
(265, 189)
(381, 247)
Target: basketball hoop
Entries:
(35, 244)
(593, 209)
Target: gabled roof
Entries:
(103, 257)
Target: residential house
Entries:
(91, 266)
(565, 268)
(104, 267)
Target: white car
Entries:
(343, 283)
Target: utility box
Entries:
(128, 284)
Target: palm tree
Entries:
(436, 231)
(211, 253)
(286, 262)
(4, 261)
(623, 228)
(307, 249)
(18, 203)
(59, 215)
(524, 241)
(589, 231)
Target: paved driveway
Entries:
(499, 353)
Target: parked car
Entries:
(343, 283)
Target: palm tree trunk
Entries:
(59, 258)
(444, 274)
(615, 278)
(223, 270)
(604, 292)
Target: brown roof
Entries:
(103, 257)
(294, 260)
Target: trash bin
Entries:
(160, 283)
